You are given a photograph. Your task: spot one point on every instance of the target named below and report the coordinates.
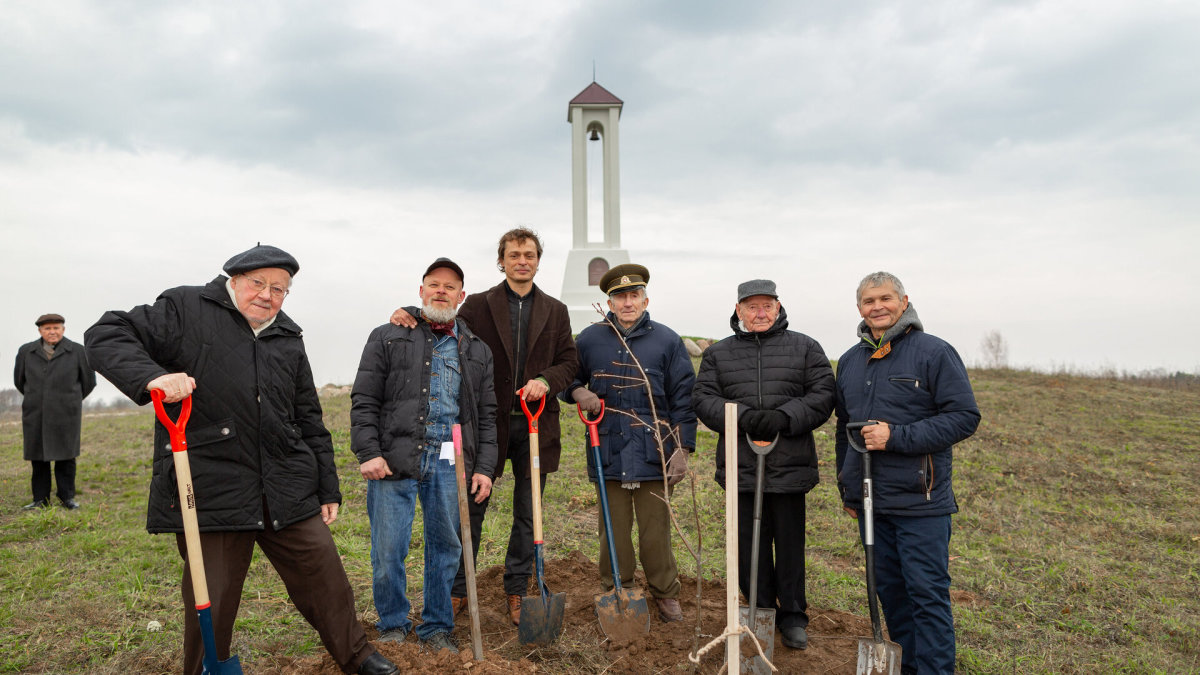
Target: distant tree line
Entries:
(10, 401)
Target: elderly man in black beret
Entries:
(53, 375)
(262, 460)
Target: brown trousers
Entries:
(306, 559)
(654, 537)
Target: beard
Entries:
(439, 315)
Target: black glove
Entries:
(748, 422)
(772, 422)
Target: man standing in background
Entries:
(53, 375)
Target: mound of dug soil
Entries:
(582, 648)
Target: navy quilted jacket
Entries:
(256, 431)
(627, 448)
(918, 384)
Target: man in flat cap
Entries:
(632, 475)
(53, 375)
(262, 461)
(783, 385)
(413, 386)
(529, 334)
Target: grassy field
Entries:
(1077, 549)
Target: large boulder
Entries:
(692, 348)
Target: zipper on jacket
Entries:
(517, 344)
(758, 343)
(929, 477)
(915, 382)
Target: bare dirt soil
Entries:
(582, 648)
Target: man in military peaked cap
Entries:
(633, 478)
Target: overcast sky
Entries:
(1027, 167)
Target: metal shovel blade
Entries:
(541, 620)
(230, 666)
(623, 614)
(878, 658)
(764, 630)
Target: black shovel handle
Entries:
(868, 515)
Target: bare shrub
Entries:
(995, 350)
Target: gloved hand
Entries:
(748, 421)
(762, 425)
(677, 466)
(587, 400)
(773, 422)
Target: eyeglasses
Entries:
(277, 292)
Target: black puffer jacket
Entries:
(391, 400)
(775, 369)
(256, 430)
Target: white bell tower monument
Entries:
(594, 115)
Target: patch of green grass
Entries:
(1075, 550)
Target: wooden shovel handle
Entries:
(187, 496)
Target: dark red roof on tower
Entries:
(594, 93)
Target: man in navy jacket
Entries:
(916, 387)
(632, 471)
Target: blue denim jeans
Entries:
(391, 506)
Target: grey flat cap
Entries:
(262, 256)
(749, 289)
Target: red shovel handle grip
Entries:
(532, 416)
(592, 425)
(178, 441)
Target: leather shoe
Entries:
(377, 664)
(457, 605)
(70, 504)
(36, 504)
(514, 609)
(668, 609)
(794, 637)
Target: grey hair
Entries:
(878, 279)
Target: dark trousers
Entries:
(912, 580)
(780, 555)
(64, 477)
(644, 502)
(306, 559)
(518, 561)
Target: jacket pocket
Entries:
(222, 430)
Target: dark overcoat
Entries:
(550, 353)
(54, 389)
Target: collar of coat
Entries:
(64, 345)
(216, 291)
(642, 325)
(883, 346)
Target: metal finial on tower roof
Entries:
(593, 70)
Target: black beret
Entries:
(624, 277)
(49, 318)
(262, 256)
